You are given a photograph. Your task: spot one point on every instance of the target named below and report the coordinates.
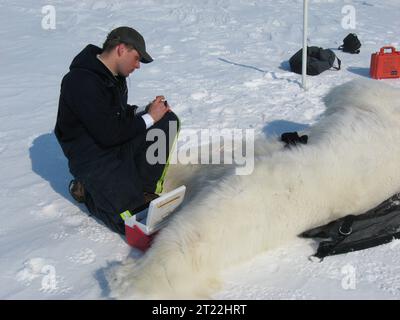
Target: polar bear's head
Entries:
(365, 94)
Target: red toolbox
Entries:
(385, 63)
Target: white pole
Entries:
(304, 60)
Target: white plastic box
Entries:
(141, 228)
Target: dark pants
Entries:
(150, 176)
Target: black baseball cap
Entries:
(131, 37)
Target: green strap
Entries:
(125, 215)
(160, 182)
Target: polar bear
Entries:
(349, 165)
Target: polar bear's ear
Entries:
(337, 96)
(351, 93)
(382, 97)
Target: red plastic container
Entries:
(137, 238)
(385, 64)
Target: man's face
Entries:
(128, 60)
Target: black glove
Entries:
(292, 138)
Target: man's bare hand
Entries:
(158, 108)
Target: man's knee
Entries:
(169, 124)
(168, 117)
(171, 116)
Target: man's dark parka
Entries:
(97, 130)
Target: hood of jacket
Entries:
(87, 59)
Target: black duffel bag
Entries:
(377, 226)
(318, 60)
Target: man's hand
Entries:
(158, 108)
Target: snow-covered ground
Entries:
(221, 64)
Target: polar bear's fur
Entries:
(350, 164)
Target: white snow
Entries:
(221, 64)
